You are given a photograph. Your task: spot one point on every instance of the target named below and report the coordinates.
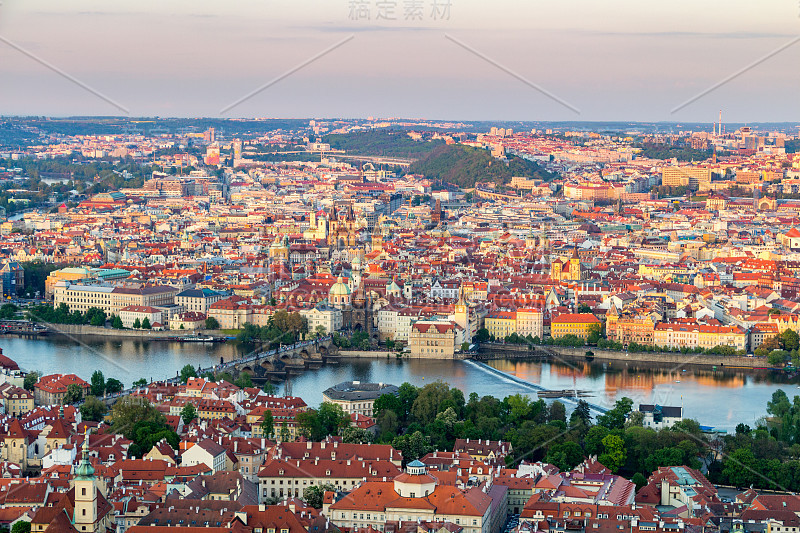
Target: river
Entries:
(719, 398)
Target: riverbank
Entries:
(710, 362)
(79, 330)
(666, 358)
(362, 354)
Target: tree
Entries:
(270, 388)
(639, 479)
(212, 323)
(427, 404)
(116, 323)
(93, 409)
(482, 335)
(332, 418)
(329, 419)
(614, 455)
(98, 318)
(566, 455)
(386, 401)
(129, 410)
(267, 424)
(557, 412)
(21, 527)
(615, 418)
(739, 466)
(98, 383)
(244, 381)
(138, 420)
(581, 414)
(146, 323)
(74, 394)
(8, 311)
(412, 446)
(315, 494)
(139, 383)
(407, 394)
(636, 418)
(387, 424)
(777, 357)
(791, 340)
(779, 405)
(583, 308)
(595, 334)
(187, 372)
(31, 378)
(320, 331)
(356, 435)
(593, 441)
(188, 413)
(137, 324)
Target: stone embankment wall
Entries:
(81, 330)
(670, 358)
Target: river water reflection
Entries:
(722, 398)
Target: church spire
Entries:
(85, 470)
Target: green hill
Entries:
(465, 165)
(682, 153)
(386, 143)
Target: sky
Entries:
(626, 60)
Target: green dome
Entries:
(85, 470)
(339, 288)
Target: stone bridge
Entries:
(270, 365)
(280, 363)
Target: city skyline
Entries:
(511, 61)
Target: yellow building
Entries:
(432, 339)
(208, 409)
(578, 324)
(65, 274)
(562, 270)
(711, 336)
(16, 401)
(629, 327)
(692, 177)
(284, 424)
(501, 324)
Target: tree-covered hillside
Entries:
(682, 153)
(464, 166)
(385, 143)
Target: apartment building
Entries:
(578, 324)
(692, 177)
(80, 297)
(325, 316)
(197, 300)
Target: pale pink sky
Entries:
(613, 60)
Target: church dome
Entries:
(339, 288)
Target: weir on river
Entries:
(535, 388)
